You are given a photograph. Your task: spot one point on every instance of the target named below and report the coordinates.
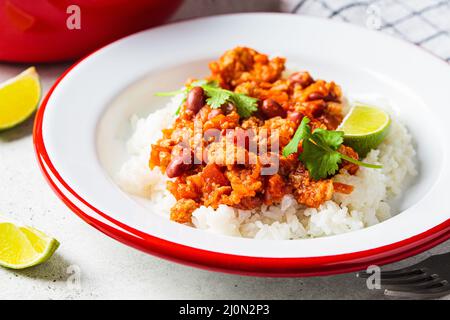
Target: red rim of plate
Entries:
(246, 265)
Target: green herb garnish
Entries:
(245, 105)
(320, 150)
(184, 91)
(216, 97)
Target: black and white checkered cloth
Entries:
(425, 23)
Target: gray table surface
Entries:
(107, 269)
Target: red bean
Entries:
(315, 96)
(314, 108)
(295, 116)
(195, 99)
(302, 78)
(270, 108)
(228, 107)
(178, 165)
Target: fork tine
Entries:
(421, 285)
(432, 293)
(393, 274)
(424, 277)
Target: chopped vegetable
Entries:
(303, 130)
(320, 152)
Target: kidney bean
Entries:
(228, 107)
(178, 165)
(315, 96)
(302, 78)
(314, 108)
(195, 99)
(295, 116)
(270, 108)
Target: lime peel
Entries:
(23, 247)
(19, 98)
(365, 127)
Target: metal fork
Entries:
(427, 279)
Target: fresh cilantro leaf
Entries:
(245, 105)
(303, 132)
(320, 150)
(319, 153)
(331, 139)
(184, 91)
(216, 97)
(209, 83)
(319, 162)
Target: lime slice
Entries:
(365, 127)
(19, 98)
(24, 247)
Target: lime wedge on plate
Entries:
(23, 247)
(365, 127)
(19, 98)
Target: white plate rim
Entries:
(49, 97)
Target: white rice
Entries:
(367, 205)
(134, 176)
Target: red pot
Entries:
(56, 30)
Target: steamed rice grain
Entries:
(367, 205)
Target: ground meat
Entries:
(282, 102)
(283, 128)
(245, 182)
(275, 189)
(159, 156)
(249, 203)
(243, 65)
(252, 123)
(309, 192)
(185, 187)
(181, 212)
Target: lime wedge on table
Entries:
(22, 247)
(365, 127)
(19, 98)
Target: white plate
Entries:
(83, 125)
